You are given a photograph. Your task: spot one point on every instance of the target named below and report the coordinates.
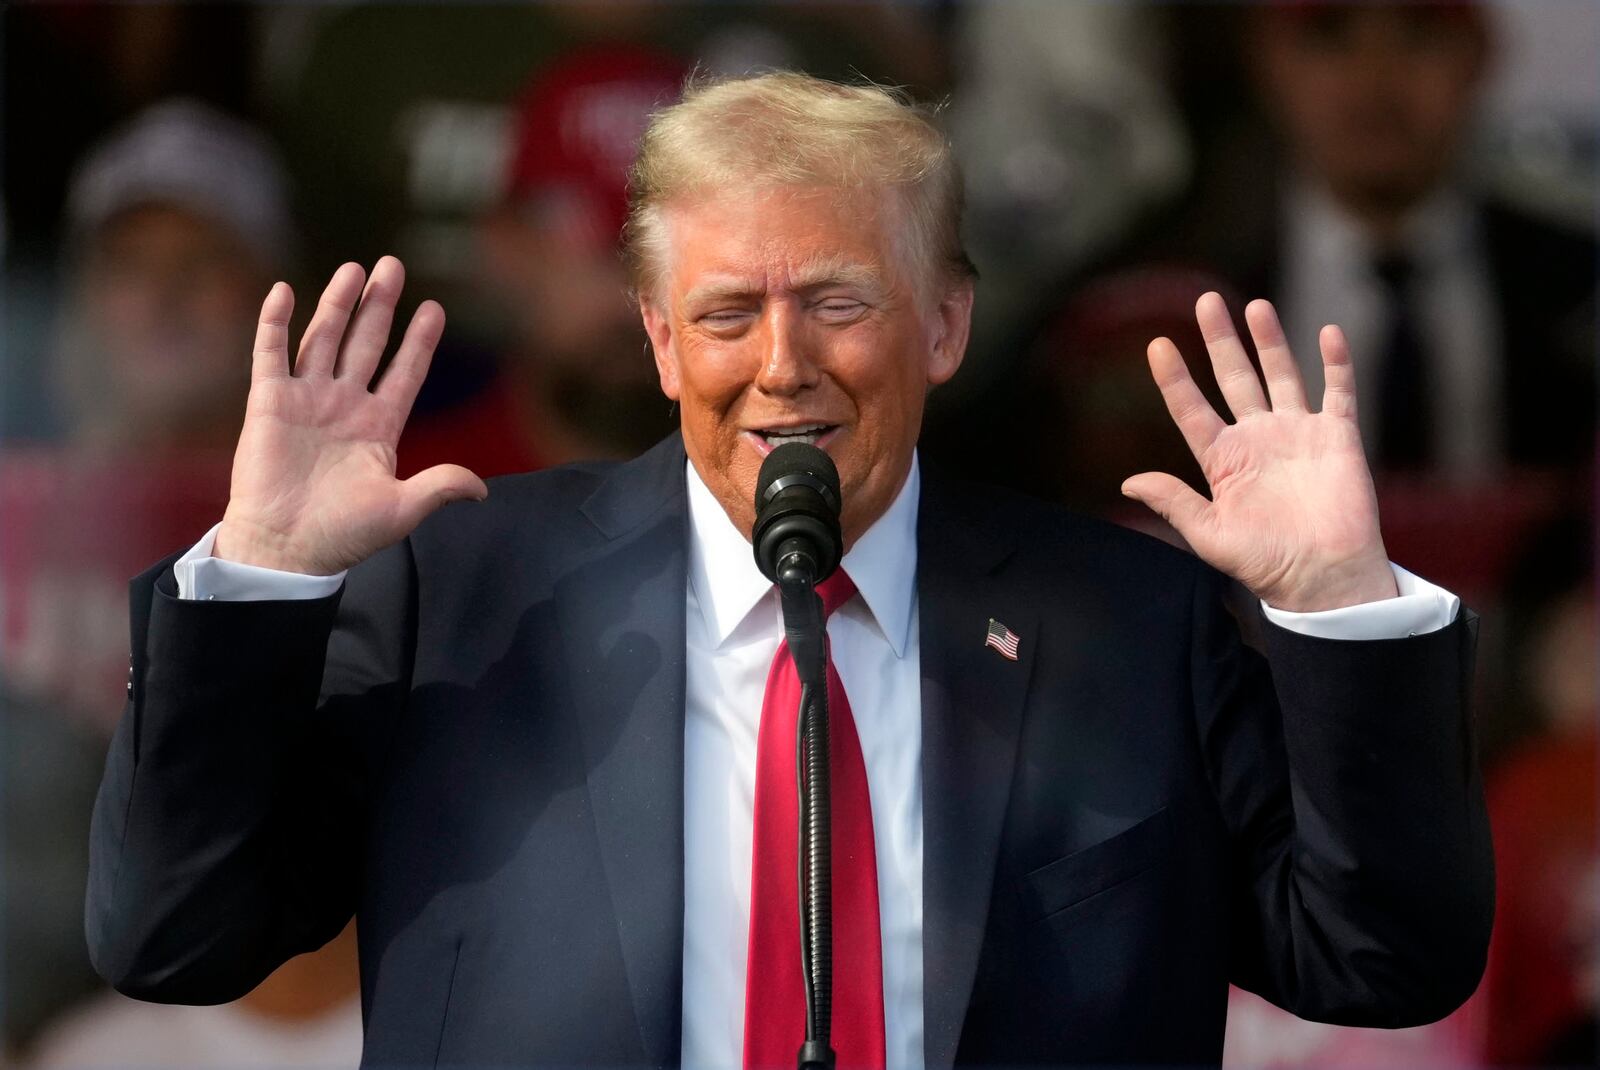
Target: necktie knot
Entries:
(1395, 270)
(835, 591)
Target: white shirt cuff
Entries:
(1420, 608)
(202, 577)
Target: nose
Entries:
(788, 365)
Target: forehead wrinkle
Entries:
(816, 271)
(773, 264)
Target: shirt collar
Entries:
(883, 564)
(1434, 232)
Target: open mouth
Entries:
(768, 439)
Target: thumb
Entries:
(1173, 500)
(436, 486)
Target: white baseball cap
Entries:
(190, 155)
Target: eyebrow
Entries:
(837, 270)
(817, 272)
(721, 289)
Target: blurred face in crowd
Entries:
(1373, 99)
(158, 348)
(790, 313)
(562, 283)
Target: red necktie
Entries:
(774, 1000)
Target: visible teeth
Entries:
(808, 435)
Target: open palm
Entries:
(1292, 513)
(314, 489)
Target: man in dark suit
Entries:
(1353, 201)
(519, 740)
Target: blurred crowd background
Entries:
(1423, 174)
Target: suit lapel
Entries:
(972, 700)
(622, 622)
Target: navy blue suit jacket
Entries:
(476, 748)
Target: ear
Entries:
(659, 328)
(951, 328)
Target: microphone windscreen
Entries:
(797, 511)
(797, 459)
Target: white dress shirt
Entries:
(733, 626)
(1328, 278)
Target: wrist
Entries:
(1338, 589)
(245, 543)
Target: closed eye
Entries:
(726, 319)
(839, 309)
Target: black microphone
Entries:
(798, 544)
(797, 538)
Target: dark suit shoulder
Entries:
(535, 526)
(524, 517)
(1056, 547)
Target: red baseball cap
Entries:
(577, 131)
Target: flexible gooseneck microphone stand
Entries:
(804, 627)
(798, 543)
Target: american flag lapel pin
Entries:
(1002, 639)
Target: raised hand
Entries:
(1292, 513)
(313, 486)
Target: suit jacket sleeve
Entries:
(226, 833)
(1362, 861)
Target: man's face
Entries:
(792, 310)
(1373, 99)
(166, 297)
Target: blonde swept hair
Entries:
(791, 129)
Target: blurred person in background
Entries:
(83, 69)
(1470, 310)
(1068, 135)
(1475, 321)
(174, 222)
(575, 380)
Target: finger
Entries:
(433, 487)
(368, 334)
(1189, 409)
(403, 377)
(319, 346)
(270, 358)
(1338, 374)
(1277, 363)
(1235, 374)
(1174, 501)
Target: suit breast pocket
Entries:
(1070, 880)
